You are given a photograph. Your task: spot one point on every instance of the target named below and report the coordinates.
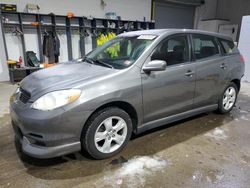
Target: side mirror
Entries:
(155, 65)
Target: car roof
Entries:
(160, 32)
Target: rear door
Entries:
(210, 69)
(171, 91)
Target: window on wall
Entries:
(228, 46)
(174, 51)
(204, 46)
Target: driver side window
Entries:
(174, 50)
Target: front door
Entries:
(171, 91)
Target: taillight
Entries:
(242, 58)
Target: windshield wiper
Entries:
(103, 63)
(94, 61)
(88, 60)
(97, 61)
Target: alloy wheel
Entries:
(110, 134)
(229, 98)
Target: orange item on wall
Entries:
(70, 14)
(46, 65)
(35, 23)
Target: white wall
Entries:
(127, 9)
(4, 73)
(244, 45)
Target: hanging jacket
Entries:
(51, 45)
(48, 45)
(56, 45)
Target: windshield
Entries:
(120, 52)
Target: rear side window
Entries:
(204, 46)
(228, 46)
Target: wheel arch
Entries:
(127, 107)
(237, 83)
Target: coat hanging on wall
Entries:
(51, 46)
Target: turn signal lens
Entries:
(242, 58)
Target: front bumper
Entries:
(48, 152)
(47, 134)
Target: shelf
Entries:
(11, 24)
(85, 27)
(77, 17)
(47, 25)
(62, 26)
(30, 25)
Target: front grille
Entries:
(24, 96)
(36, 135)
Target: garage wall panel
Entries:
(169, 15)
(233, 10)
(205, 12)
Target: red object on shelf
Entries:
(20, 61)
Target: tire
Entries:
(106, 133)
(223, 106)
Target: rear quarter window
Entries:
(228, 46)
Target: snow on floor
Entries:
(239, 114)
(4, 106)
(214, 176)
(4, 111)
(133, 173)
(244, 118)
(217, 134)
(5, 92)
(245, 88)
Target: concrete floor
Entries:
(209, 150)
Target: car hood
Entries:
(62, 76)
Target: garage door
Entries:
(169, 15)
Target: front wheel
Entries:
(228, 99)
(106, 133)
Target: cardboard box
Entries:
(32, 8)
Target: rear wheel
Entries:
(106, 133)
(228, 99)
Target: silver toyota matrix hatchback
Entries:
(132, 83)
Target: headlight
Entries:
(56, 99)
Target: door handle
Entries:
(189, 73)
(223, 66)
